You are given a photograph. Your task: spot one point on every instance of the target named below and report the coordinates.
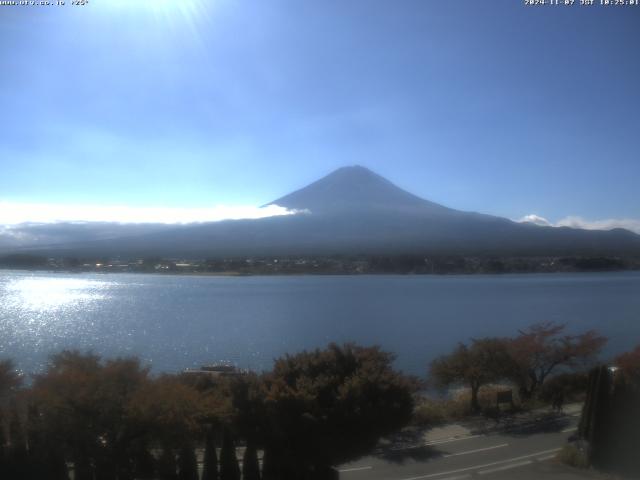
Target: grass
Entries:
(431, 412)
(572, 456)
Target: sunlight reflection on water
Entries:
(50, 294)
(176, 322)
(42, 312)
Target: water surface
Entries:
(175, 322)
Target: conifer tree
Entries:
(187, 463)
(167, 468)
(229, 469)
(250, 465)
(210, 469)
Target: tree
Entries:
(216, 413)
(568, 386)
(18, 464)
(10, 380)
(187, 463)
(169, 411)
(144, 463)
(167, 466)
(250, 465)
(269, 468)
(629, 364)
(543, 348)
(83, 406)
(475, 365)
(248, 418)
(210, 467)
(45, 458)
(330, 406)
(229, 469)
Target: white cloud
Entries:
(606, 224)
(13, 213)
(537, 219)
(579, 222)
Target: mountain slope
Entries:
(356, 189)
(355, 211)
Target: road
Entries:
(524, 452)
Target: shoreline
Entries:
(236, 274)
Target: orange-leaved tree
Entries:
(629, 364)
(481, 362)
(543, 348)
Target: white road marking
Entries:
(435, 442)
(451, 439)
(355, 469)
(505, 467)
(571, 429)
(468, 452)
(475, 451)
(546, 457)
(476, 467)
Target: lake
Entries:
(176, 322)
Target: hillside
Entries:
(355, 211)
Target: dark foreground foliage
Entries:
(330, 406)
(609, 430)
(112, 420)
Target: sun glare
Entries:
(150, 4)
(50, 293)
(188, 10)
(181, 16)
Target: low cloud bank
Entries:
(12, 213)
(579, 222)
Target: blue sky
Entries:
(487, 106)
